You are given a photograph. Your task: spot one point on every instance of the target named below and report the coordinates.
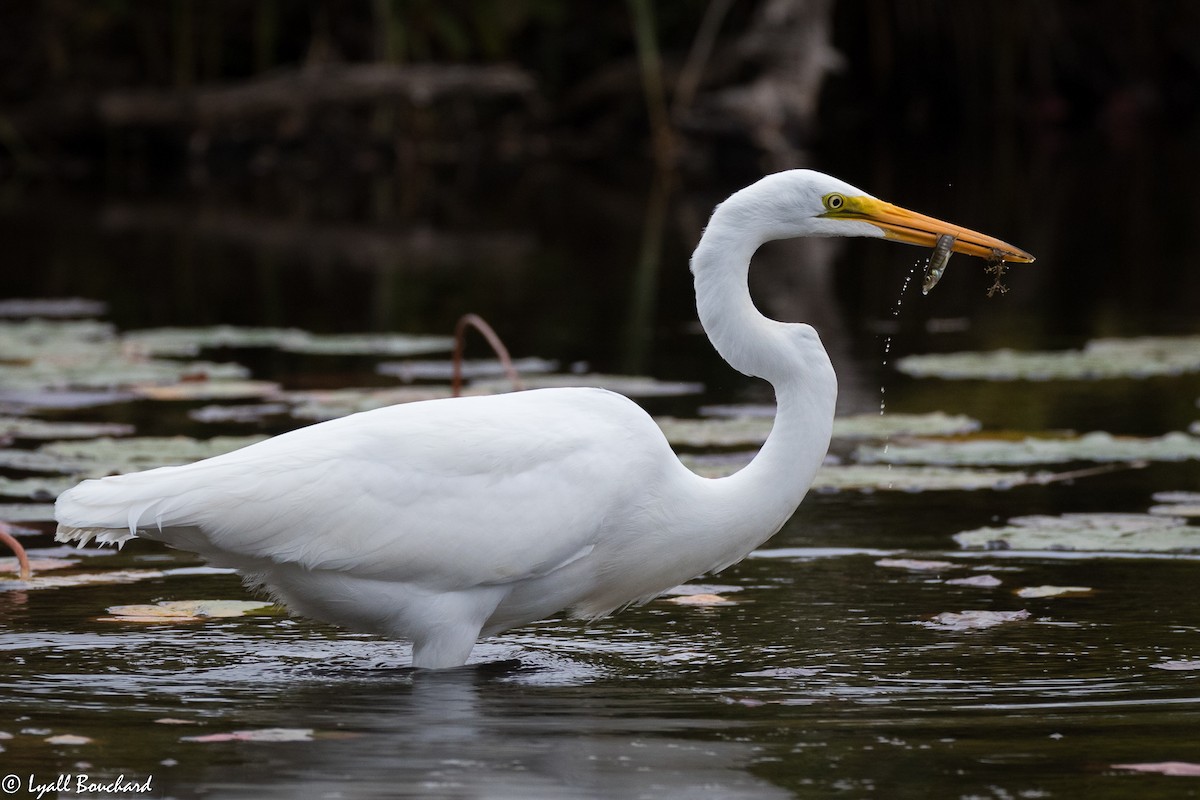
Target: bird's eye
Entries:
(834, 202)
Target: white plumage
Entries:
(443, 521)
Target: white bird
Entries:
(444, 521)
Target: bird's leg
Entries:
(448, 647)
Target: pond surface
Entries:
(822, 666)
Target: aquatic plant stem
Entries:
(478, 323)
(18, 550)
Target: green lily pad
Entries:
(1102, 358)
(875, 477)
(1087, 532)
(1177, 504)
(252, 412)
(326, 404)
(629, 385)
(188, 342)
(117, 576)
(30, 428)
(96, 458)
(43, 488)
(27, 512)
(366, 344)
(443, 370)
(1099, 446)
(733, 429)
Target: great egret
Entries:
(443, 521)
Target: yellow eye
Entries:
(834, 202)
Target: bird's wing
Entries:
(446, 493)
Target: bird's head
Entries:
(803, 202)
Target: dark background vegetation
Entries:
(390, 164)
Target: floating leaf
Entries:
(39, 565)
(715, 432)
(1099, 446)
(1102, 358)
(1030, 592)
(883, 426)
(973, 620)
(1177, 768)
(1177, 504)
(68, 739)
(207, 390)
(183, 610)
(52, 307)
(980, 581)
(105, 456)
(35, 488)
(701, 600)
(27, 512)
(1177, 666)
(383, 344)
(81, 579)
(629, 385)
(253, 412)
(701, 588)
(874, 477)
(260, 735)
(1094, 532)
(188, 342)
(29, 428)
(443, 370)
(333, 403)
(174, 721)
(916, 565)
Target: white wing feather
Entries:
(445, 495)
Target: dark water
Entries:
(819, 680)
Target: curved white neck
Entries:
(788, 355)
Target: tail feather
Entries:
(117, 509)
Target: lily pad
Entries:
(1030, 592)
(443, 370)
(188, 342)
(326, 404)
(44, 488)
(874, 477)
(52, 307)
(27, 512)
(730, 432)
(973, 620)
(917, 565)
(81, 579)
(1177, 504)
(251, 412)
(700, 600)
(30, 428)
(260, 735)
(95, 458)
(383, 344)
(979, 581)
(1102, 358)
(1098, 446)
(1178, 666)
(68, 739)
(183, 610)
(207, 390)
(753, 424)
(1087, 532)
(9, 566)
(1176, 768)
(629, 385)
